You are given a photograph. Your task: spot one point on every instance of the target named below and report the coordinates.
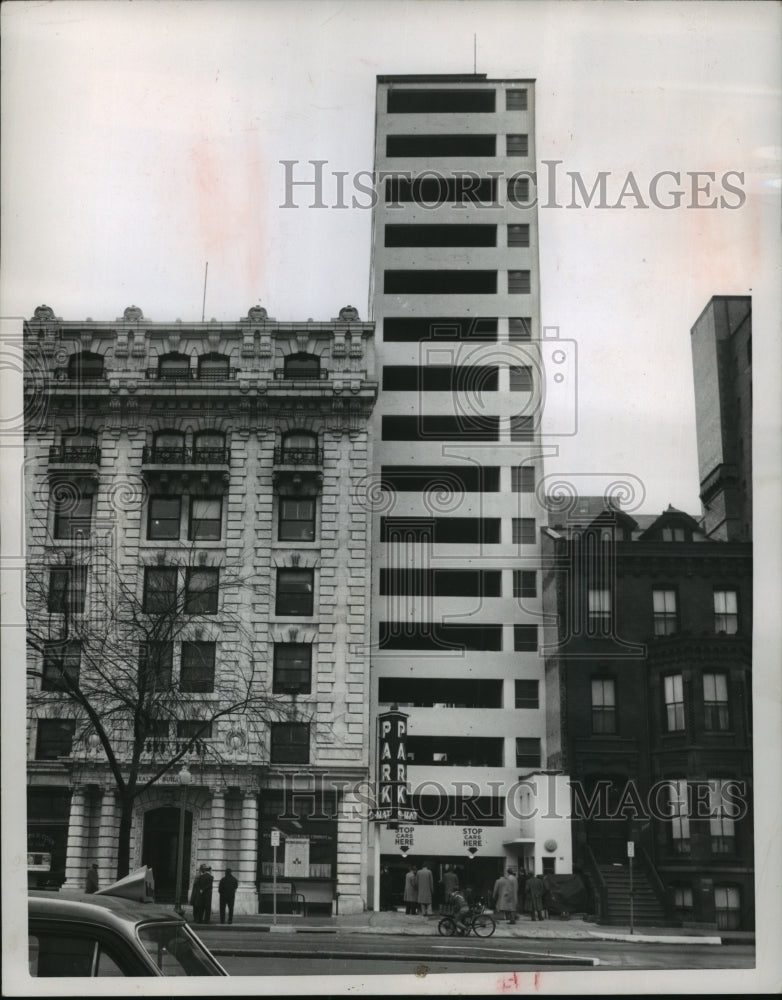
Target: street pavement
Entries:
(398, 923)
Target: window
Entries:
(715, 702)
(433, 635)
(61, 665)
(168, 448)
(72, 509)
(435, 190)
(406, 100)
(163, 517)
(197, 672)
(674, 703)
(86, 364)
(174, 366)
(525, 638)
(516, 100)
(443, 530)
(519, 282)
(682, 902)
(67, 590)
(295, 591)
(193, 729)
(54, 738)
(214, 366)
(522, 428)
(465, 478)
(679, 809)
(156, 661)
(527, 694)
(520, 378)
(722, 827)
(727, 907)
(522, 479)
(209, 447)
(520, 328)
(441, 582)
(201, 591)
(440, 428)
(297, 519)
(299, 448)
(666, 619)
(160, 589)
(292, 668)
(517, 145)
(415, 329)
(674, 535)
(518, 235)
(290, 743)
(57, 952)
(523, 530)
(206, 519)
(527, 751)
(518, 190)
(726, 612)
(525, 583)
(431, 281)
(603, 705)
(454, 235)
(419, 144)
(301, 365)
(599, 611)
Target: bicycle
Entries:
(481, 924)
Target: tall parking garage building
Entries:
(456, 573)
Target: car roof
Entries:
(114, 911)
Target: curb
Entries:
(423, 957)
(657, 938)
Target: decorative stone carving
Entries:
(349, 314)
(44, 314)
(257, 314)
(121, 344)
(339, 349)
(133, 314)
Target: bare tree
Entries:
(102, 637)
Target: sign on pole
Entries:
(631, 848)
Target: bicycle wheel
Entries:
(483, 925)
(447, 927)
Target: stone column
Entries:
(247, 876)
(349, 852)
(106, 857)
(75, 872)
(216, 852)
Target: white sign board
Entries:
(297, 857)
(631, 849)
(275, 838)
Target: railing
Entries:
(83, 376)
(298, 456)
(186, 456)
(190, 375)
(601, 890)
(75, 455)
(655, 881)
(302, 376)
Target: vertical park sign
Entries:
(393, 803)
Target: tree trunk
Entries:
(123, 846)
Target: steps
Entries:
(647, 909)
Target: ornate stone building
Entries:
(194, 522)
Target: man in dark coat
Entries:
(226, 888)
(201, 896)
(536, 890)
(92, 883)
(449, 884)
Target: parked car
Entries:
(106, 934)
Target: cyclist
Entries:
(461, 911)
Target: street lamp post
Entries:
(184, 780)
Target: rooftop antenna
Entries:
(203, 304)
(475, 54)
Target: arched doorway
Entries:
(159, 850)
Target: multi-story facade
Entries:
(456, 581)
(652, 658)
(193, 527)
(721, 341)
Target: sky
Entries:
(142, 140)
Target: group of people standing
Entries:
(507, 896)
(201, 895)
(419, 890)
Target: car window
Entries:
(175, 950)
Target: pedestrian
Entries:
(425, 888)
(505, 897)
(386, 889)
(449, 884)
(461, 911)
(92, 882)
(535, 889)
(514, 885)
(411, 891)
(201, 895)
(226, 889)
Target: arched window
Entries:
(85, 364)
(208, 446)
(77, 446)
(304, 366)
(174, 365)
(213, 365)
(299, 448)
(169, 447)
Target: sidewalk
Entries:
(392, 922)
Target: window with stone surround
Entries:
(290, 743)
